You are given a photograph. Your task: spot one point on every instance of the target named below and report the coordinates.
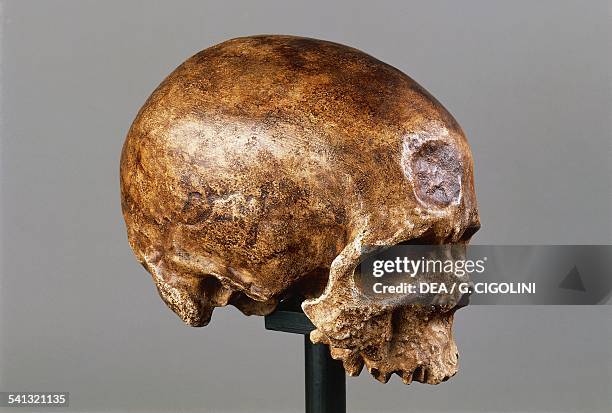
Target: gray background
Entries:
(528, 81)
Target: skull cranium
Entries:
(261, 167)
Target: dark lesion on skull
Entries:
(437, 172)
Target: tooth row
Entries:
(381, 368)
(354, 364)
(419, 374)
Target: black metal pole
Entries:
(325, 380)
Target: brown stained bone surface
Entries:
(261, 166)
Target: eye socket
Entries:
(426, 238)
(469, 232)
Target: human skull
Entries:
(261, 167)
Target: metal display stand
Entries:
(325, 379)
